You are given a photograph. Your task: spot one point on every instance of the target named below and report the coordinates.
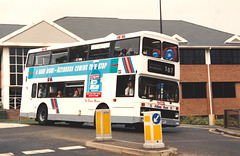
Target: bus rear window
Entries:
(151, 47)
(170, 51)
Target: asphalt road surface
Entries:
(62, 139)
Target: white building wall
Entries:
(5, 77)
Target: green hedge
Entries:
(199, 120)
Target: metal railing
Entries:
(232, 118)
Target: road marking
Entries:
(37, 151)
(12, 125)
(227, 135)
(213, 131)
(71, 148)
(6, 154)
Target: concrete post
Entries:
(211, 119)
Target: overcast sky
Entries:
(223, 15)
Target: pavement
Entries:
(134, 148)
(230, 131)
(130, 148)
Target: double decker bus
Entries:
(128, 74)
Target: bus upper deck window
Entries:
(60, 56)
(30, 61)
(126, 47)
(78, 53)
(170, 51)
(151, 47)
(99, 51)
(42, 58)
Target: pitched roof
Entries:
(196, 35)
(40, 33)
(6, 29)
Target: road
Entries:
(190, 140)
(46, 140)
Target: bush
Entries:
(199, 120)
(219, 122)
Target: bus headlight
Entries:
(177, 115)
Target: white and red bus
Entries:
(128, 74)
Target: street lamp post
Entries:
(160, 8)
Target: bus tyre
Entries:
(42, 115)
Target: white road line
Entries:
(71, 147)
(6, 154)
(12, 125)
(37, 151)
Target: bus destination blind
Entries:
(161, 67)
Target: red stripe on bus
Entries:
(52, 103)
(125, 64)
(130, 66)
(113, 65)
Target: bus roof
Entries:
(108, 38)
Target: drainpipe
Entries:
(211, 115)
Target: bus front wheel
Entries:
(42, 115)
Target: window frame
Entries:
(217, 56)
(222, 90)
(193, 92)
(34, 90)
(42, 53)
(124, 55)
(160, 49)
(186, 58)
(64, 85)
(100, 44)
(120, 89)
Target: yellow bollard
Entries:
(103, 125)
(153, 130)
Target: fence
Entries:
(232, 118)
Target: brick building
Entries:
(210, 59)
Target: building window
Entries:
(225, 56)
(194, 90)
(223, 90)
(15, 97)
(192, 56)
(17, 60)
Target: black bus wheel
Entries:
(42, 115)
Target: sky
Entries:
(222, 15)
